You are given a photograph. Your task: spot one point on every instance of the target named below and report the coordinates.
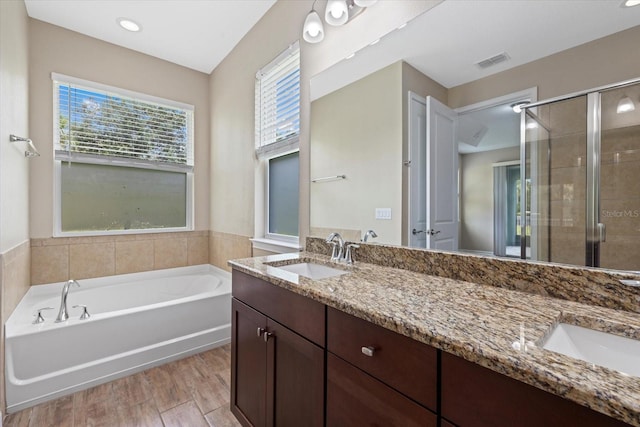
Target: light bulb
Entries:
(336, 13)
(313, 31)
(129, 25)
(625, 105)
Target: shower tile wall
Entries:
(567, 179)
(225, 246)
(60, 259)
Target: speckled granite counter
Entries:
(479, 323)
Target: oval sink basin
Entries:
(599, 348)
(312, 271)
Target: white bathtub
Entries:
(137, 321)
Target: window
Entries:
(277, 133)
(124, 160)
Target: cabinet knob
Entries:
(267, 335)
(368, 351)
(260, 332)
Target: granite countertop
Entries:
(493, 327)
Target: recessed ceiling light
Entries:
(630, 3)
(129, 25)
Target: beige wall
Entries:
(357, 131)
(600, 62)
(14, 167)
(54, 49)
(231, 89)
(476, 190)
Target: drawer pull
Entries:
(368, 351)
(260, 332)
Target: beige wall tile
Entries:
(92, 260)
(134, 256)
(197, 250)
(228, 246)
(170, 252)
(49, 264)
(16, 277)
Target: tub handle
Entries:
(38, 315)
(85, 314)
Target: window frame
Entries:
(264, 153)
(188, 170)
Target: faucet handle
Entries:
(85, 314)
(38, 315)
(348, 255)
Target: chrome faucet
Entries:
(338, 247)
(63, 314)
(369, 233)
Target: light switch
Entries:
(383, 213)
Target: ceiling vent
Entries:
(496, 59)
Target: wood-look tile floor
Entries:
(191, 392)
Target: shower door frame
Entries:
(595, 230)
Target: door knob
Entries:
(433, 232)
(414, 231)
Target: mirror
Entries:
(362, 122)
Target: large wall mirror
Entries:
(374, 117)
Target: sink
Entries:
(312, 271)
(599, 348)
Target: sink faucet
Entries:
(369, 233)
(338, 247)
(63, 314)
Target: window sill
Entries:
(277, 246)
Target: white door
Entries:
(417, 164)
(442, 176)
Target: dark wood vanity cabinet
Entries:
(376, 377)
(277, 373)
(474, 396)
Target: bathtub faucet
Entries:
(63, 314)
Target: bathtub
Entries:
(137, 321)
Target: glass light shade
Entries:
(365, 3)
(336, 13)
(625, 105)
(313, 30)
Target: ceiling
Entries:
(197, 34)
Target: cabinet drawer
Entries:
(407, 365)
(296, 312)
(356, 399)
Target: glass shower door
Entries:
(555, 151)
(619, 210)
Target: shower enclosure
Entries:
(581, 160)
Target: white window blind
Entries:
(95, 123)
(278, 103)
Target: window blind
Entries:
(99, 124)
(278, 102)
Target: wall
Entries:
(54, 49)
(234, 170)
(607, 60)
(14, 167)
(476, 189)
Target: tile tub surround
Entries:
(588, 286)
(476, 322)
(60, 259)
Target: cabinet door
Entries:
(295, 383)
(356, 399)
(248, 365)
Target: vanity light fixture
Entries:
(625, 105)
(129, 25)
(630, 3)
(337, 12)
(517, 107)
